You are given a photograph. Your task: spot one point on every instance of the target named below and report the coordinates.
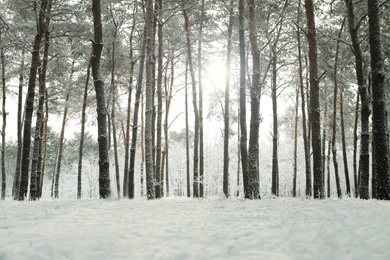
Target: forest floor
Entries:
(182, 228)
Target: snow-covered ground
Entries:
(181, 228)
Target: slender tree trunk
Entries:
(135, 115)
(113, 109)
(97, 44)
(4, 114)
(295, 143)
(238, 152)
(150, 185)
(227, 103)
(168, 95)
(345, 158)
(335, 96)
(44, 150)
(127, 132)
(244, 134)
(381, 135)
(306, 144)
(53, 180)
(142, 146)
(328, 167)
(315, 111)
(29, 105)
(187, 130)
(61, 146)
(195, 105)
(275, 167)
(365, 100)
(253, 152)
(15, 190)
(355, 140)
(36, 177)
(81, 147)
(201, 144)
(159, 178)
(374, 178)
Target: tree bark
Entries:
(227, 102)
(295, 143)
(127, 132)
(306, 144)
(150, 185)
(60, 147)
(36, 177)
(15, 190)
(113, 105)
(243, 138)
(201, 144)
(81, 147)
(195, 105)
(97, 44)
(315, 111)
(159, 178)
(135, 115)
(335, 96)
(187, 130)
(344, 146)
(355, 140)
(365, 100)
(29, 105)
(4, 114)
(275, 164)
(382, 163)
(168, 94)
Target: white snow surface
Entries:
(184, 228)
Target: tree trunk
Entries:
(15, 190)
(243, 139)
(355, 139)
(345, 158)
(168, 95)
(374, 179)
(159, 178)
(195, 105)
(142, 146)
(335, 96)
(315, 110)
(36, 177)
(60, 147)
(379, 108)
(44, 150)
(295, 143)
(29, 105)
(150, 189)
(275, 166)
(365, 99)
(227, 103)
(135, 115)
(127, 132)
(4, 114)
(81, 147)
(187, 135)
(328, 167)
(97, 44)
(306, 144)
(43, 107)
(113, 108)
(201, 144)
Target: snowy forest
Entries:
(248, 99)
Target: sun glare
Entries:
(215, 73)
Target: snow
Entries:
(186, 228)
